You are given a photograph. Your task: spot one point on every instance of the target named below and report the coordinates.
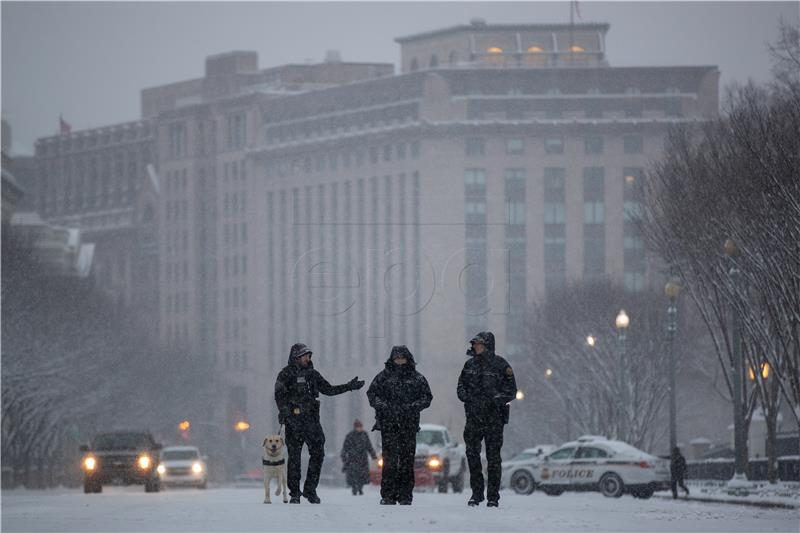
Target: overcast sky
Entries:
(88, 61)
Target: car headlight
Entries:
(90, 463)
(434, 462)
(144, 462)
(380, 462)
(161, 469)
(197, 467)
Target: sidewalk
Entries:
(782, 495)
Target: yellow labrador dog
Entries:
(274, 466)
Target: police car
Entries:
(515, 474)
(594, 463)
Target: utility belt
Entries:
(306, 409)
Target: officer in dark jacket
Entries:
(677, 472)
(354, 454)
(486, 386)
(398, 394)
(296, 391)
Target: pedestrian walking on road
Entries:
(356, 451)
(677, 472)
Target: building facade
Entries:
(344, 206)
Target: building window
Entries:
(414, 65)
(593, 212)
(434, 61)
(453, 58)
(515, 146)
(593, 144)
(634, 281)
(515, 212)
(475, 207)
(177, 140)
(236, 131)
(387, 152)
(475, 146)
(373, 154)
(554, 145)
(475, 176)
(415, 150)
(553, 212)
(632, 144)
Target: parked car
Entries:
(439, 461)
(121, 457)
(593, 463)
(516, 476)
(183, 465)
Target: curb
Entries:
(751, 503)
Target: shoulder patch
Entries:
(509, 371)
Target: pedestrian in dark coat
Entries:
(677, 472)
(398, 394)
(296, 391)
(355, 452)
(486, 386)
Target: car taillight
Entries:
(380, 462)
(645, 464)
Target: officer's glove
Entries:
(499, 401)
(283, 414)
(355, 383)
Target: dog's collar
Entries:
(272, 463)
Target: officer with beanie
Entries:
(296, 391)
(398, 394)
(486, 386)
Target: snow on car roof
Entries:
(433, 427)
(616, 446)
(179, 448)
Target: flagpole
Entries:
(571, 25)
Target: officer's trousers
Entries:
(492, 434)
(398, 447)
(306, 431)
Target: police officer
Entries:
(296, 391)
(486, 386)
(398, 394)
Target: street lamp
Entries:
(737, 370)
(241, 427)
(591, 340)
(672, 289)
(520, 395)
(622, 322)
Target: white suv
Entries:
(441, 457)
(183, 465)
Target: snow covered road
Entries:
(240, 509)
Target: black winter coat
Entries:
(677, 465)
(355, 450)
(486, 385)
(297, 388)
(398, 394)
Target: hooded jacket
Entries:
(297, 387)
(398, 393)
(486, 384)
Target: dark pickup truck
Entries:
(121, 457)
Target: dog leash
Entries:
(280, 428)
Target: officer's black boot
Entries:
(388, 501)
(475, 500)
(294, 499)
(492, 503)
(311, 496)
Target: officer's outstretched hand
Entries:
(355, 384)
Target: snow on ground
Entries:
(241, 509)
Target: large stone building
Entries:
(351, 208)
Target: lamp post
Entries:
(737, 372)
(622, 322)
(672, 289)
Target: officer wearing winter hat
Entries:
(486, 386)
(296, 391)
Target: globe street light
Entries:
(591, 340)
(622, 322)
(672, 289)
(737, 370)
